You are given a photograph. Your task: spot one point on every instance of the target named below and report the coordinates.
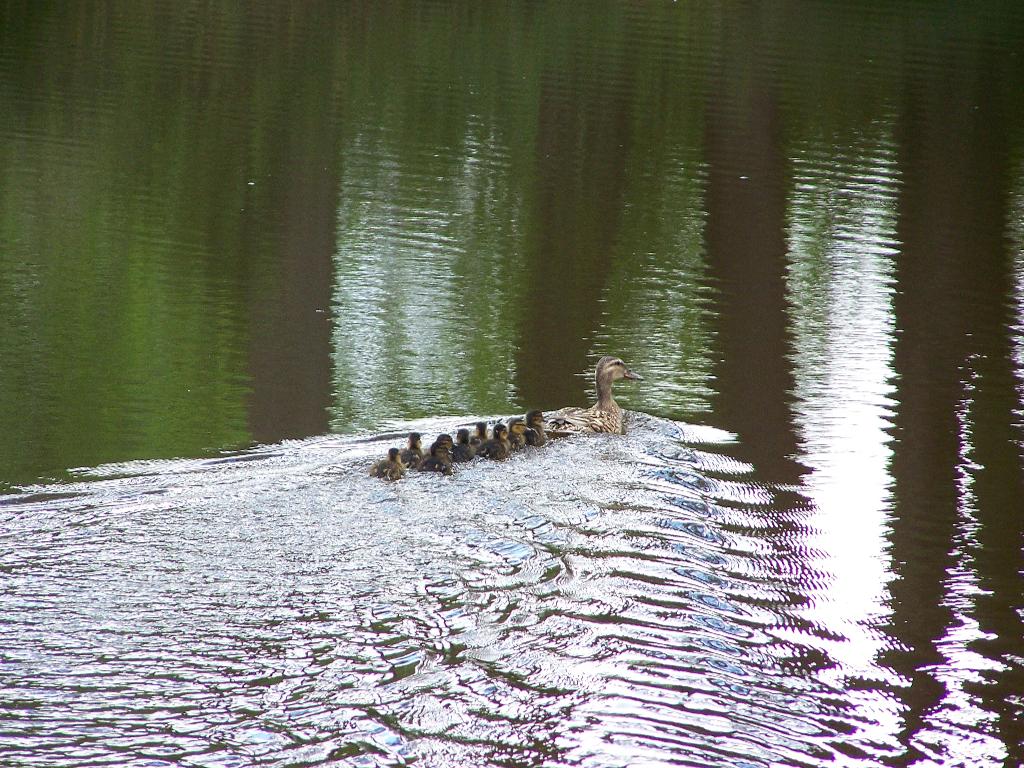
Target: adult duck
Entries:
(603, 416)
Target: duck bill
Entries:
(634, 376)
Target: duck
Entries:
(464, 449)
(535, 434)
(605, 415)
(446, 440)
(439, 460)
(390, 468)
(413, 454)
(498, 447)
(480, 436)
(517, 433)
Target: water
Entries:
(595, 602)
(243, 249)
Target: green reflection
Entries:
(425, 286)
(1015, 227)
(517, 192)
(132, 243)
(244, 223)
(657, 304)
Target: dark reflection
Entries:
(577, 208)
(991, 471)
(161, 279)
(657, 305)
(746, 207)
(290, 352)
(953, 429)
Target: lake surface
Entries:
(244, 248)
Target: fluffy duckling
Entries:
(445, 439)
(605, 415)
(413, 454)
(390, 468)
(439, 460)
(480, 436)
(535, 434)
(517, 433)
(498, 447)
(464, 449)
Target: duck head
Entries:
(535, 419)
(517, 428)
(394, 456)
(611, 369)
(462, 437)
(415, 440)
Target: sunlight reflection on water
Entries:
(844, 336)
(598, 602)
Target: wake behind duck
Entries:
(498, 444)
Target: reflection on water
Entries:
(657, 303)
(427, 282)
(286, 609)
(840, 285)
(602, 601)
(1016, 234)
(225, 226)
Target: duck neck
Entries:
(605, 401)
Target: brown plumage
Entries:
(390, 468)
(480, 436)
(535, 434)
(498, 447)
(464, 450)
(413, 454)
(517, 433)
(605, 415)
(439, 460)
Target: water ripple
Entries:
(590, 603)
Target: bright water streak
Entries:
(599, 602)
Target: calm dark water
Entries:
(241, 243)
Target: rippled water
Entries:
(602, 601)
(283, 228)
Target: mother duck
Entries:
(605, 415)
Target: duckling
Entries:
(390, 468)
(413, 454)
(605, 415)
(480, 436)
(464, 449)
(445, 439)
(517, 433)
(498, 447)
(439, 460)
(535, 434)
